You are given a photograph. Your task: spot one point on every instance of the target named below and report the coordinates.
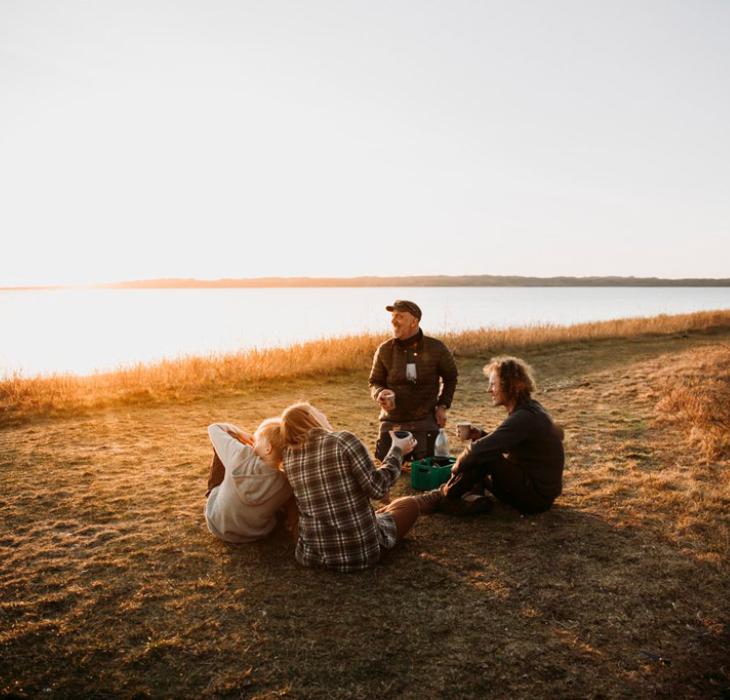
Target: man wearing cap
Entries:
(413, 379)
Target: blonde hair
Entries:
(298, 420)
(270, 430)
(515, 377)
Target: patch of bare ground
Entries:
(112, 586)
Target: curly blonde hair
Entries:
(515, 377)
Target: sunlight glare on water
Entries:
(81, 331)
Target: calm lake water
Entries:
(82, 331)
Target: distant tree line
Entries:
(424, 281)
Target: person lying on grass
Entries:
(521, 461)
(333, 478)
(246, 486)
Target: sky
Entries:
(217, 138)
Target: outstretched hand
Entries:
(406, 444)
(475, 433)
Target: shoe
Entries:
(477, 489)
(429, 501)
(472, 505)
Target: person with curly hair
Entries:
(521, 461)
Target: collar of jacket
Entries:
(416, 339)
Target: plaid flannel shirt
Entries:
(333, 479)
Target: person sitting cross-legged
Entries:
(333, 478)
(521, 461)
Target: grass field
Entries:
(111, 585)
(190, 378)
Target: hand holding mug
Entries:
(386, 398)
(476, 433)
(467, 431)
(404, 440)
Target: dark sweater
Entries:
(436, 381)
(528, 438)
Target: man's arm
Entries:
(449, 373)
(378, 374)
(512, 431)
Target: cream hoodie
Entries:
(243, 507)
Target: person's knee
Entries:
(405, 512)
(462, 482)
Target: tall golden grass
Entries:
(191, 377)
(696, 398)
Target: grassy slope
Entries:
(112, 585)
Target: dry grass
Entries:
(110, 585)
(695, 396)
(182, 379)
(190, 378)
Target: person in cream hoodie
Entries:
(246, 485)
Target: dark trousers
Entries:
(217, 472)
(506, 480)
(426, 439)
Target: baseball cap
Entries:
(403, 305)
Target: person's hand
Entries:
(441, 416)
(475, 433)
(458, 465)
(241, 436)
(386, 398)
(407, 444)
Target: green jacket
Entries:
(435, 383)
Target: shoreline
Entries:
(524, 335)
(192, 378)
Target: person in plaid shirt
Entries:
(333, 479)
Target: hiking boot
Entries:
(428, 502)
(468, 505)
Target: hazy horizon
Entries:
(235, 140)
(365, 281)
